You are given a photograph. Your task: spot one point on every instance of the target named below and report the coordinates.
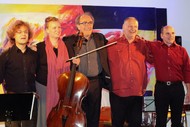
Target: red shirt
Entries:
(128, 68)
(171, 63)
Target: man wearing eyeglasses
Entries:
(93, 65)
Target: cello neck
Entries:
(73, 69)
(71, 81)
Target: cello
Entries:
(68, 111)
(72, 88)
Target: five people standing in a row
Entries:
(120, 67)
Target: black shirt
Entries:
(17, 69)
(42, 65)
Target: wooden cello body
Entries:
(72, 87)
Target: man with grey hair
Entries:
(94, 65)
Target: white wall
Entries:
(177, 10)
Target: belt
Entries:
(168, 83)
(94, 77)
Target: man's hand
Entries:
(187, 97)
(76, 61)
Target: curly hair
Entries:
(14, 27)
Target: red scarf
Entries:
(56, 66)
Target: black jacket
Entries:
(99, 40)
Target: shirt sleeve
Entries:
(186, 67)
(2, 66)
(148, 53)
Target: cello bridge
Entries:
(67, 106)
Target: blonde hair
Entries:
(50, 19)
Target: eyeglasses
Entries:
(86, 23)
(20, 32)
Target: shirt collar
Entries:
(123, 38)
(172, 45)
(17, 49)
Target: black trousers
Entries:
(126, 109)
(92, 102)
(166, 96)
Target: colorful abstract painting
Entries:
(108, 20)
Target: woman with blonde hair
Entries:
(51, 62)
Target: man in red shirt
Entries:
(172, 66)
(128, 74)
